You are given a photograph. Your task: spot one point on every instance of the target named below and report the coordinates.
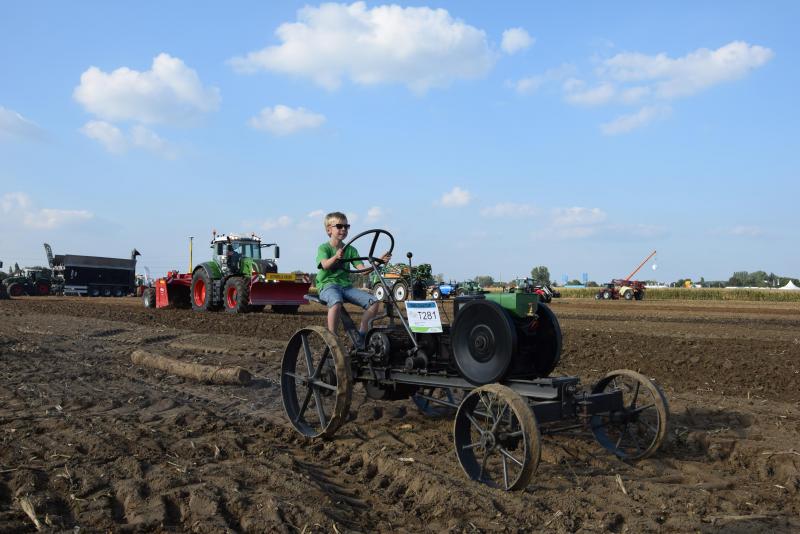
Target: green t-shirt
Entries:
(336, 275)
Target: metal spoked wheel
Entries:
(437, 402)
(316, 382)
(496, 437)
(637, 430)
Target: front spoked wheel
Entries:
(496, 437)
(637, 428)
(316, 382)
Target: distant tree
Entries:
(484, 280)
(739, 279)
(591, 283)
(16, 268)
(574, 283)
(439, 278)
(541, 275)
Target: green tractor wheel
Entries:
(236, 295)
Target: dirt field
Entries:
(89, 440)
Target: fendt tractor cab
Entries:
(239, 278)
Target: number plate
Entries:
(283, 277)
(423, 316)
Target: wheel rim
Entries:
(380, 293)
(231, 297)
(399, 292)
(638, 428)
(199, 292)
(496, 438)
(316, 382)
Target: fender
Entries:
(211, 268)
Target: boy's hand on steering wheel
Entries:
(386, 257)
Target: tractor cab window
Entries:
(248, 250)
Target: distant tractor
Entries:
(444, 290)
(237, 279)
(624, 288)
(33, 282)
(402, 281)
(529, 285)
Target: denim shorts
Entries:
(334, 294)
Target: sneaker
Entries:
(360, 341)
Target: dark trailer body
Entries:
(95, 275)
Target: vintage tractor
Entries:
(237, 279)
(31, 281)
(491, 366)
(528, 285)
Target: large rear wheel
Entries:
(496, 437)
(15, 289)
(316, 382)
(636, 429)
(149, 297)
(201, 292)
(236, 295)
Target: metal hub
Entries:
(482, 343)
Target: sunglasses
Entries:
(341, 226)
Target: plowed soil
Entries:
(90, 441)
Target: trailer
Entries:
(92, 276)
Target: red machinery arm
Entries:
(640, 265)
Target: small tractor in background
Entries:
(444, 290)
(529, 285)
(31, 281)
(625, 288)
(237, 279)
(399, 278)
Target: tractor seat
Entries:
(315, 298)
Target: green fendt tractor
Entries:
(236, 279)
(30, 281)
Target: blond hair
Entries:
(334, 216)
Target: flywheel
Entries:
(484, 341)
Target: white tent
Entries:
(790, 286)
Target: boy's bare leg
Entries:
(333, 316)
(369, 313)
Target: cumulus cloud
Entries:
(168, 93)
(418, 47)
(279, 222)
(691, 73)
(577, 216)
(314, 214)
(508, 210)
(375, 213)
(515, 39)
(117, 142)
(14, 125)
(627, 123)
(455, 198)
(746, 231)
(19, 206)
(601, 94)
(283, 120)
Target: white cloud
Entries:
(117, 142)
(746, 231)
(415, 46)
(508, 209)
(315, 214)
(280, 222)
(283, 120)
(19, 206)
(107, 135)
(14, 125)
(578, 216)
(516, 39)
(601, 94)
(375, 213)
(691, 73)
(456, 197)
(169, 93)
(627, 123)
(531, 84)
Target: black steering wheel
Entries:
(370, 257)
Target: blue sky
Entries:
(488, 137)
